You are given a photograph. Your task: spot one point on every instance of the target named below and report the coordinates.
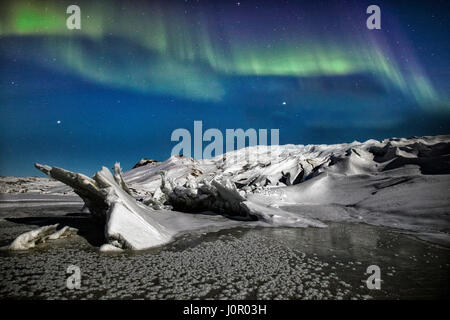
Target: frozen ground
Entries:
(236, 263)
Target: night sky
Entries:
(116, 89)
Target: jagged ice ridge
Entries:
(400, 183)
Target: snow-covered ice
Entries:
(400, 183)
(29, 239)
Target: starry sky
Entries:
(137, 70)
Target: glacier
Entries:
(398, 183)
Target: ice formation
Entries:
(131, 224)
(401, 183)
(29, 239)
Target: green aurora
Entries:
(173, 43)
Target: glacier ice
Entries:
(401, 183)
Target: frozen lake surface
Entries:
(236, 263)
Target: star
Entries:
(283, 103)
(58, 122)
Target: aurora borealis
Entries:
(138, 70)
